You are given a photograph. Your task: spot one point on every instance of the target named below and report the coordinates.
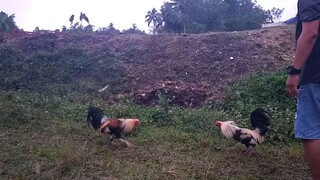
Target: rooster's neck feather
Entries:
(228, 130)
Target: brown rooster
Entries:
(115, 127)
(260, 121)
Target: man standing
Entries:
(305, 74)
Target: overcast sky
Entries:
(53, 14)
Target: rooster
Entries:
(260, 121)
(115, 127)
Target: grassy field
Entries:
(46, 137)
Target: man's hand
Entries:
(292, 85)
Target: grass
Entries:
(46, 137)
(160, 153)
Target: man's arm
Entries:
(306, 42)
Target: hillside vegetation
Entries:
(177, 85)
(193, 68)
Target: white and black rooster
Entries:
(260, 121)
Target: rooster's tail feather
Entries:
(89, 121)
(94, 117)
(260, 119)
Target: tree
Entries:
(155, 18)
(179, 12)
(108, 30)
(171, 18)
(7, 23)
(77, 26)
(182, 16)
(274, 14)
(112, 30)
(198, 16)
(243, 15)
(212, 16)
(133, 30)
(83, 16)
(71, 19)
(63, 28)
(88, 28)
(36, 29)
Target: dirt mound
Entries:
(199, 67)
(189, 69)
(177, 92)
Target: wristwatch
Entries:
(293, 71)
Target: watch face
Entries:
(289, 68)
(293, 71)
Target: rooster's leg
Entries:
(245, 151)
(111, 139)
(251, 151)
(126, 142)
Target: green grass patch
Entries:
(48, 80)
(45, 136)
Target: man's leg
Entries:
(312, 150)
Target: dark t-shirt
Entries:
(309, 10)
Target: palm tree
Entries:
(83, 16)
(155, 18)
(71, 19)
(78, 25)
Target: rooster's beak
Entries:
(137, 122)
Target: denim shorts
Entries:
(307, 123)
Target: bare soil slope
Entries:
(193, 68)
